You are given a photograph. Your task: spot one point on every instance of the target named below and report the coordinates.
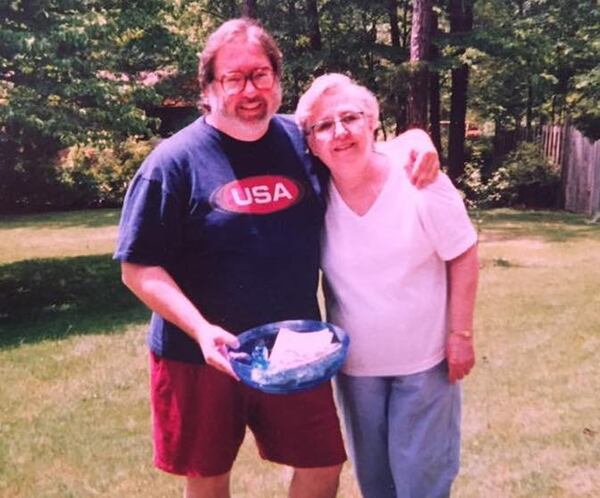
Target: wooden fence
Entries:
(579, 161)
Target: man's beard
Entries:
(252, 115)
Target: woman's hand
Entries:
(460, 355)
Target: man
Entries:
(220, 233)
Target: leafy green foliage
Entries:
(584, 102)
(69, 74)
(354, 39)
(539, 57)
(524, 178)
(79, 72)
(51, 67)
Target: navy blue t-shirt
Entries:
(236, 224)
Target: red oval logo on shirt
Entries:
(263, 194)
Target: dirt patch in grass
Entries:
(582, 482)
(504, 239)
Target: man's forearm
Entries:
(157, 290)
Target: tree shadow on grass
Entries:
(85, 218)
(56, 298)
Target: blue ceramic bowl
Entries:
(293, 379)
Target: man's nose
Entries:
(249, 88)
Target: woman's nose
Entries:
(339, 128)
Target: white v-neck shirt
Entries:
(385, 273)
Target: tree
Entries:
(249, 9)
(314, 31)
(420, 52)
(73, 71)
(392, 6)
(461, 21)
(536, 62)
(434, 88)
(67, 75)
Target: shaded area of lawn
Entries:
(55, 298)
(549, 226)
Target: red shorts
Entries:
(199, 417)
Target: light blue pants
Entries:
(403, 432)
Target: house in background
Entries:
(174, 113)
(178, 107)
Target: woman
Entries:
(400, 267)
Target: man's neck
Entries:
(244, 133)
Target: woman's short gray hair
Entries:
(328, 83)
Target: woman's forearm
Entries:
(463, 276)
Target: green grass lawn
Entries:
(74, 419)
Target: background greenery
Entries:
(74, 417)
(91, 74)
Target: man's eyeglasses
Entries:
(352, 121)
(262, 78)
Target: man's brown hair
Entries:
(247, 29)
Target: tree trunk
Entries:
(370, 30)
(434, 92)
(496, 139)
(420, 41)
(434, 111)
(394, 29)
(314, 34)
(400, 118)
(405, 31)
(458, 112)
(529, 111)
(461, 20)
(249, 9)
(392, 7)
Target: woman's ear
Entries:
(312, 145)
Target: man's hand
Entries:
(460, 356)
(423, 167)
(157, 289)
(214, 341)
(415, 150)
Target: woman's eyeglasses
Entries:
(352, 121)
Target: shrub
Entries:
(473, 183)
(525, 178)
(94, 176)
(28, 180)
